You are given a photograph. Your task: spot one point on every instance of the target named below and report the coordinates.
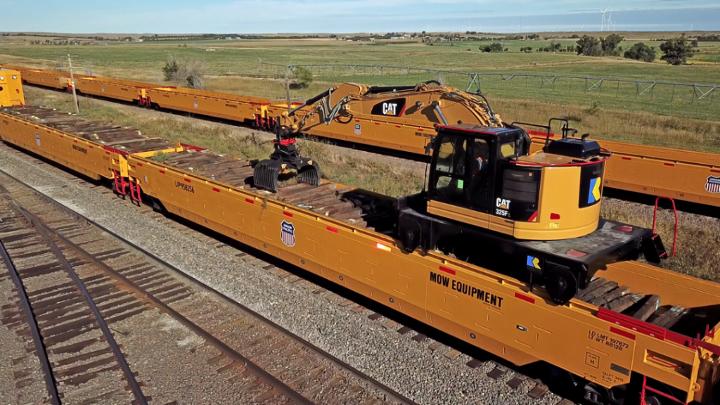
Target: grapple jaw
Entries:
(309, 173)
(267, 173)
(285, 161)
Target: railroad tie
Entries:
(652, 303)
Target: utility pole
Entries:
(288, 72)
(72, 82)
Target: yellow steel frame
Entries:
(11, 90)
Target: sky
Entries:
(343, 16)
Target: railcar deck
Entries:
(357, 207)
(126, 139)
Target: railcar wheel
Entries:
(561, 284)
(652, 400)
(596, 395)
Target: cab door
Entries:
(461, 179)
(481, 163)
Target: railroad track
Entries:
(259, 359)
(59, 308)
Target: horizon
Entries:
(355, 16)
(307, 34)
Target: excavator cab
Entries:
(484, 177)
(465, 166)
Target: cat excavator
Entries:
(534, 216)
(488, 200)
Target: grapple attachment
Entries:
(285, 162)
(267, 173)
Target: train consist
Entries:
(402, 119)
(632, 331)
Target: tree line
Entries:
(676, 51)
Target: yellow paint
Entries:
(11, 90)
(560, 193)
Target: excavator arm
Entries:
(389, 104)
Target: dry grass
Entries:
(628, 126)
(698, 235)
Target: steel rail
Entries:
(47, 235)
(40, 348)
(263, 375)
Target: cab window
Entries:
(479, 192)
(450, 169)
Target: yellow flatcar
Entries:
(652, 170)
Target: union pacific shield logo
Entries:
(713, 185)
(287, 233)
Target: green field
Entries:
(664, 115)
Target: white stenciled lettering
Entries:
(502, 203)
(389, 108)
